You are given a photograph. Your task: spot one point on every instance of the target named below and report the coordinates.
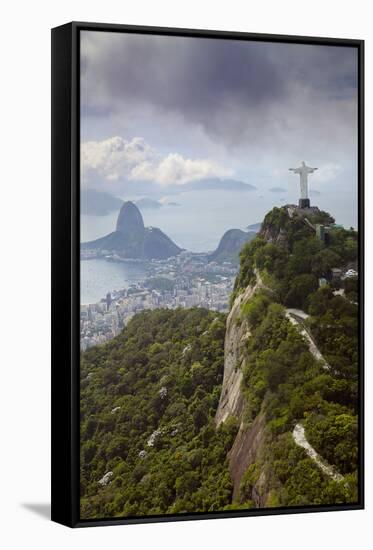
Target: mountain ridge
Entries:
(132, 240)
(266, 351)
(230, 245)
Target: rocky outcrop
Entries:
(275, 236)
(133, 240)
(244, 452)
(236, 335)
(249, 438)
(129, 219)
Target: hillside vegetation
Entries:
(149, 442)
(147, 404)
(283, 380)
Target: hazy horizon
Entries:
(165, 111)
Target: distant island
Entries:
(132, 240)
(277, 190)
(218, 184)
(148, 204)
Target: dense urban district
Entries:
(187, 280)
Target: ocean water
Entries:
(97, 277)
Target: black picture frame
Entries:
(65, 268)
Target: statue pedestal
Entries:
(304, 203)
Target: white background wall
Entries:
(25, 271)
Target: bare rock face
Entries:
(236, 336)
(244, 452)
(248, 441)
(129, 219)
(272, 235)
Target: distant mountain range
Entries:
(153, 190)
(133, 240)
(101, 203)
(151, 204)
(98, 203)
(230, 245)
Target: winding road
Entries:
(300, 439)
(297, 317)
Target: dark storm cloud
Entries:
(185, 74)
(252, 109)
(234, 91)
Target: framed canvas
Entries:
(207, 274)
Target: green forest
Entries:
(282, 378)
(283, 381)
(149, 443)
(148, 399)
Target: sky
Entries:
(172, 110)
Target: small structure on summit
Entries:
(303, 170)
(322, 232)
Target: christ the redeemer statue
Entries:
(303, 171)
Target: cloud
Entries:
(176, 73)
(208, 107)
(236, 91)
(175, 169)
(327, 173)
(116, 159)
(113, 158)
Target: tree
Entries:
(301, 287)
(324, 261)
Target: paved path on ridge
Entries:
(300, 439)
(297, 318)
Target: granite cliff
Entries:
(133, 240)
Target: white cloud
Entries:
(327, 172)
(115, 158)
